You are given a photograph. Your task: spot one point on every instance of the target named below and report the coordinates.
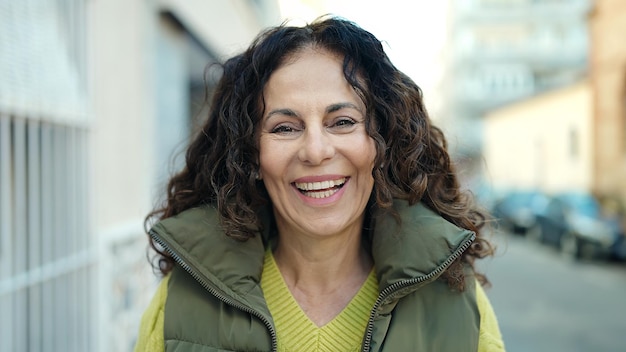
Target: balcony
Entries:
(505, 11)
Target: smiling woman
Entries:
(318, 211)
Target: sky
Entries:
(413, 31)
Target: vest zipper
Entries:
(214, 291)
(367, 339)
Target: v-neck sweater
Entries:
(294, 329)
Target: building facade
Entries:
(599, 106)
(542, 143)
(502, 51)
(96, 98)
(608, 78)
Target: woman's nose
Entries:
(316, 146)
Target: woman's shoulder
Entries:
(150, 336)
(490, 339)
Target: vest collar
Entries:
(421, 245)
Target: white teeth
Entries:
(321, 194)
(318, 186)
(321, 189)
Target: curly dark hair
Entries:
(222, 160)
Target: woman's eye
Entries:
(345, 122)
(283, 129)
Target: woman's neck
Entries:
(319, 266)
(324, 275)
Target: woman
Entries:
(318, 211)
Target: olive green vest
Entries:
(215, 302)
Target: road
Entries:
(545, 302)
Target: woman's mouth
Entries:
(322, 189)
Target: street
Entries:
(546, 302)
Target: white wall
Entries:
(545, 142)
(122, 127)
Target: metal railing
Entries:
(46, 254)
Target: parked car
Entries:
(618, 249)
(517, 211)
(574, 222)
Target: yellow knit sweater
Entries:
(296, 332)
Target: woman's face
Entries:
(316, 158)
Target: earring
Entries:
(256, 175)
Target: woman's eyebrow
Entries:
(338, 106)
(286, 112)
(330, 109)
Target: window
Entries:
(500, 81)
(624, 115)
(501, 38)
(574, 143)
(502, 3)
